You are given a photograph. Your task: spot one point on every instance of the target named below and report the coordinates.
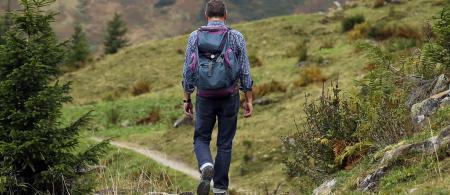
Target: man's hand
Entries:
(188, 109)
(248, 109)
(248, 104)
(187, 105)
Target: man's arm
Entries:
(187, 86)
(246, 82)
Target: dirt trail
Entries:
(156, 156)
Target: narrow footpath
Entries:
(156, 156)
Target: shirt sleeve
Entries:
(246, 82)
(190, 49)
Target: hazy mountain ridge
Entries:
(155, 19)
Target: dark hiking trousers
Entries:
(225, 110)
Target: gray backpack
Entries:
(214, 66)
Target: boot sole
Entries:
(205, 183)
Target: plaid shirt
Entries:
(237, 43)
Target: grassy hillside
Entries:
(155, 19)
(276, 44)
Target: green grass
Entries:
(274, 41)
(126, 172)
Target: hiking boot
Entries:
(205, 181)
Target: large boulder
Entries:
(424, 109)
(430, 146)
(426, 88)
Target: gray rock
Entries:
(424, 109)
(263, 101)
(441, 84)
(326, 188)
(445, 102)
(427, 147)
(125, 123)
(184, 120)
(371, 180)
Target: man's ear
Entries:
(206, 17)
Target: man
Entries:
(217, 66)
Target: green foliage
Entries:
(384, 115)
(115, 38)
(443, 27)
(140, 87)
(5, 22)
(247, 158)
(113, 115)
(331, 117)
(330, 125)
(36, 150)
(78, 48)
(309, 75)
(435, 55)
(350, 22)
(303, 54)
(304, 153)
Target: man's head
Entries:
(216, 9)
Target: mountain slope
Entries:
(153, 19)
(276, 43)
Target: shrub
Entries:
(310, 75)
(153, 117)
(303, 54)
(164, 3)
(255, 61)
(359, 31)
(113, 115)
(350, 22)
(304, 153)
(245, 166)
(378, 3)
(139, 88)
(330, 127)
(399, 44)
(268, 88)
(382, 101)
(382, 31)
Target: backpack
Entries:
(214, 65)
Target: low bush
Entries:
(139, 88)
(245, 166)
(382, 31)
(268, 88)
(350, 22)
(359, 31)
(329, 127)
(378, 3)
(303, 54)
(308, 75)
(113, 115)
(255, 61)
(153, 117)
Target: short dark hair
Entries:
(216, 8)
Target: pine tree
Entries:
(5, 21)
(37, 152)
(83, 12)
(115, 38)
(78, 48)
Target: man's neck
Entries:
(216, 20)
